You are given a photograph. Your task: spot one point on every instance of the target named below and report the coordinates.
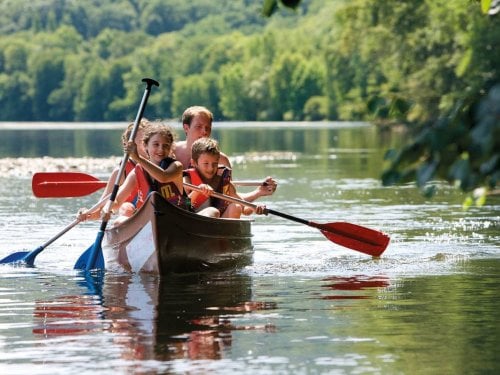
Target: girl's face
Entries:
(158, 148)
(207, 165)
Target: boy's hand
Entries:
(207, 189)
(260, 209)
(268, 187)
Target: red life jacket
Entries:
(223, 187)
(129, 167)
(146, 184)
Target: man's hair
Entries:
(193, 111)
(204, 146)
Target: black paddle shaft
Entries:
(93, 259)
(149, 83)
(286, 216)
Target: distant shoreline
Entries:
(13, 125)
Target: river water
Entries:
(428, 305)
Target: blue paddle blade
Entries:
(92, 258)
(25, 257)
(15, 258)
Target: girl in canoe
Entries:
(129, 204)
(208, 175)
(159, 171)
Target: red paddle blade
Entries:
(64, 184)
(356, 237)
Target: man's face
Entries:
(200, 127)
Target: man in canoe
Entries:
(197, 123)
(210, 175)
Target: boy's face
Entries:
(207, 165)
(200, 127)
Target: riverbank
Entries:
(26, 167)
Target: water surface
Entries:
(305, 305)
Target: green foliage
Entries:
(461, 147)
(429, 65)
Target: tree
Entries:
(46, 71)
(450, 94)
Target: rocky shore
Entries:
(26, 167)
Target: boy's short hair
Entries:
(204, 146)
(191, 112)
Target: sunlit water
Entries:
(305, 305)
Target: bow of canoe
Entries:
(163, 238)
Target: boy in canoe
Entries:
(211, 176)
(197, 123)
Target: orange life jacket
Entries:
(129, 167)
(223, 187)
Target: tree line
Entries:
(419, 62)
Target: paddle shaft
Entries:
(140, 113)
(97, 249)
(353, 236)
(248, 204)
(28, 257)
(74, 223)
(77, 184)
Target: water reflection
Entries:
(178, 317)
(340, 285)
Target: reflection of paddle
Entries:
(353, 236)
(92, 257)
(28, 257)
(77, 184)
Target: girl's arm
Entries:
(126, 189)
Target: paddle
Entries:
(352, 236)
(28, 257)
(77, 184)
(92, 258)
(64, 184)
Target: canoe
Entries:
(162, 238)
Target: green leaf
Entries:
(390, 177)
(426, 172)
(485, 6)
(291, 3)
(430, 191)
(391, 154)
(467, 203)
(269, 7)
